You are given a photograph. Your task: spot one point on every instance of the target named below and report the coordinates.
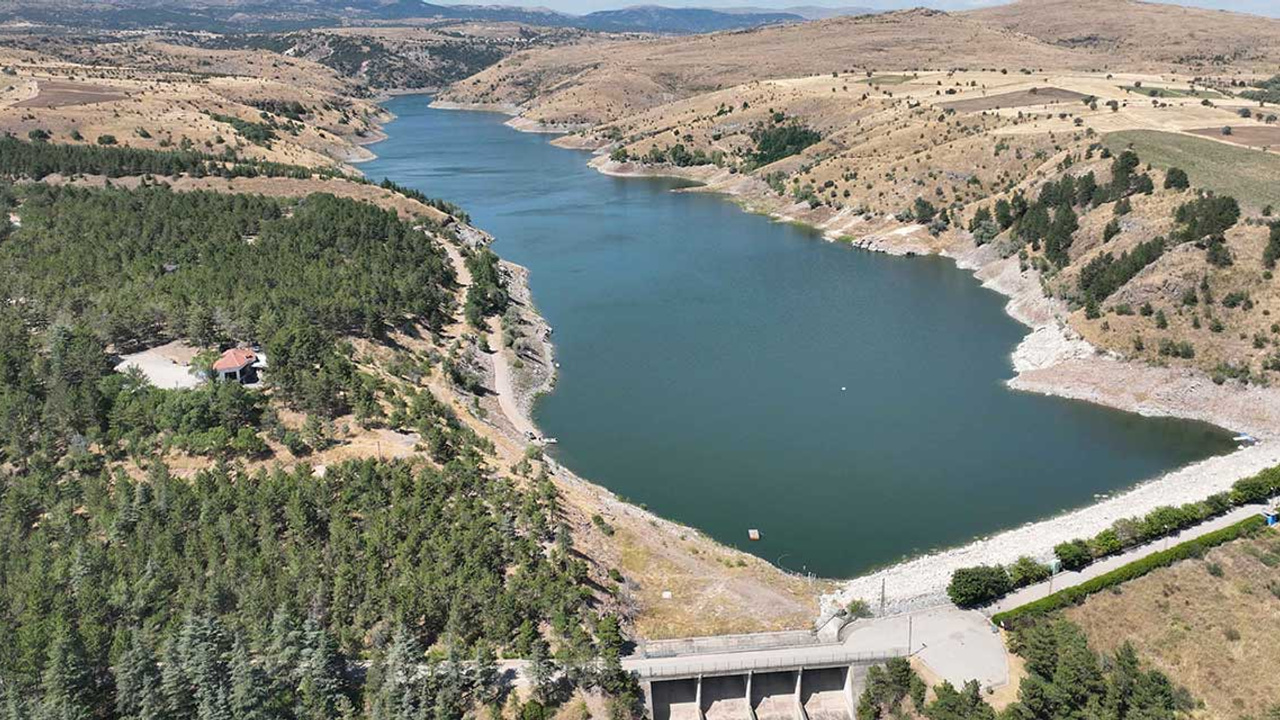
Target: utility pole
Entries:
(909, 628)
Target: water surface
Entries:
(731, 372)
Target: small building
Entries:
(1272, 516)
(239, 364)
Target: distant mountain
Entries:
(231, 16)
(680, 21)
(808, 12)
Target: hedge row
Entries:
(1076, 594)
(1131, 532)
(976, 586)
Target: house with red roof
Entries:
(239, 364)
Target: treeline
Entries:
(983, 584)
(1076, 594)
(1202, 221)
(1049, 223)
(37, 160)
(443, 206)
(1066, 678)
(1268, 91)
(263, 595)
(1105, 273)
(145, 265)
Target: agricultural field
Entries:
(1247, 175)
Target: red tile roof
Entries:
(234, 359)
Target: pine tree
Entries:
(321, 671)
(66, 685)
(137, 678)
(485, 677)
(204, 650)
(395, 690)
(175, 686)
(248, 683)
(15, 705)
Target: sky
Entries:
(1258, 7)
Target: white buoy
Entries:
(843, 388)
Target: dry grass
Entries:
(1214, 635)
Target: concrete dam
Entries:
(799, 678)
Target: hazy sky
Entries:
(1259, 7)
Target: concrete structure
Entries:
(810, 675)
(806, 683)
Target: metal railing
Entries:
(747, 642)
(796, 661)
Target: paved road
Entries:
(1064, 580)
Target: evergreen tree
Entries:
(137, 678)
(65, 689)
(248, 683)
(175, 686)
(321, 672)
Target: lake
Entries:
(731, 372)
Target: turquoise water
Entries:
(731, 372)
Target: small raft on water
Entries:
(753, 534)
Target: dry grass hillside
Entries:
(153, 95)
(596, 82)
(1124, 31)
(1209, 624)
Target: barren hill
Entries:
(595, 82)
(1190, 38)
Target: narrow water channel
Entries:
(731, 372)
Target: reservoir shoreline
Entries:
(1049, 360)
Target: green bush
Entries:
(1028, 571)
(1073, 554)
(975, 586)
(1257, 488)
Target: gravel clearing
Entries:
(166, 366)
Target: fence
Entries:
(728, 643)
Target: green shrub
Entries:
(975, 586)
(1105, 543)
(1073, 554)
(1028, 571)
